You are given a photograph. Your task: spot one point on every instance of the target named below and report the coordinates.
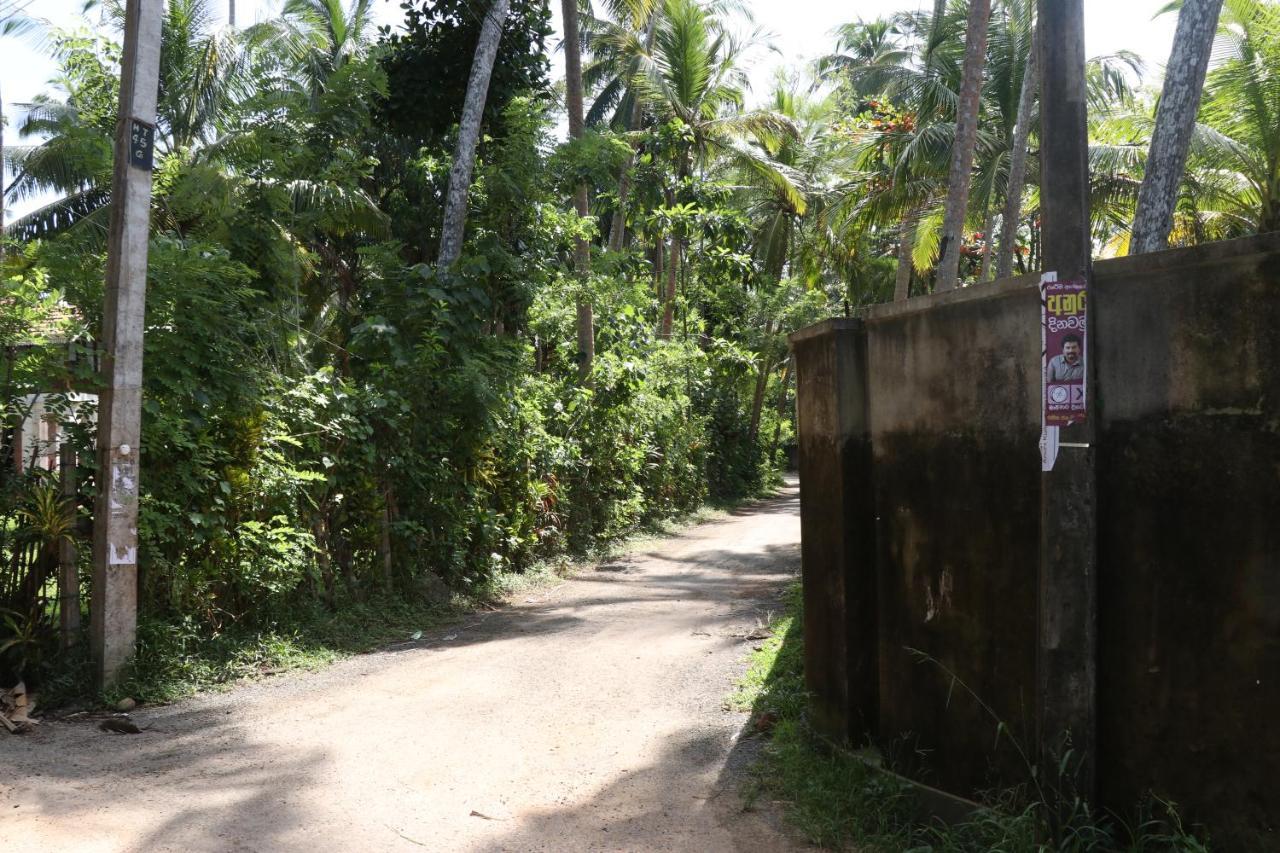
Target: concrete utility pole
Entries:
(1066, 660)
(115, 521)
(68, 570)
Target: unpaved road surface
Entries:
(586, 717)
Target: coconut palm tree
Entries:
(320, 36)
(582, 249)
(619, 43)
(966, 137)
(1240, 131)
(1229, 187)
(902, 85)
(1016, 183)
(14, 24)
(694, 80)
(464, 158)
(618, 40)
(862, 45)
(73, 163)
(902, 75)
(1175, 122)
(1009, 110)
(808, 159)
(204, 76)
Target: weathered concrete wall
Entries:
(1189, 534)
(955, 431)
(837, 528)
(1187, 403)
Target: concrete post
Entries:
(115, 524)
(1066, 661)
(837, 530)
(68, 568)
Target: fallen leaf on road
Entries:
(405, 837)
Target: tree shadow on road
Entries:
(690, 798)
(234, 793)
(221, 786)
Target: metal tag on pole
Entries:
(113, 608)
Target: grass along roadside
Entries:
(839, 801)
(177, 659)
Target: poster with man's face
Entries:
(1063, 305)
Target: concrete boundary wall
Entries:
(920, 496)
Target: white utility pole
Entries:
(114, 606)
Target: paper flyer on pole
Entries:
(1064, 365)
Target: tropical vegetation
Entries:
(403, 339)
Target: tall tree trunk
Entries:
(669, 298)
(581, 249)
(939, 12)
(975, 58)
(231, 13)
(987, 222)
(618, 228)
(2, 184)
(464, 157)
(762, 383)
(1175, 121)
(384, 547)
(782, 407)
(659, 253)
(320, 535)
(68, 565)
(1270, 218)
(906, 239)
(2, 177)
(683, 170)
(1018, 162)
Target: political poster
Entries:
(1065, 333)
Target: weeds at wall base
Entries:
(840, 801)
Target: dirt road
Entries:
(587, 717)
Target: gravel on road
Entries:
(587, 716)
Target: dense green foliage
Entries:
(330, 416)
(897, 80)
(429, 61)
